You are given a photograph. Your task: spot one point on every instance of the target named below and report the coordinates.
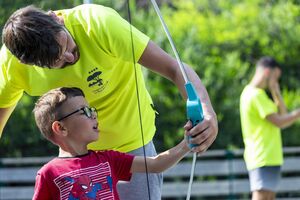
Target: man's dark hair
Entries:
(267, 62)
(30, 35)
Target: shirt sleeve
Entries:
(121, 163)
(41, 190)
(10, 92)
(265, 106)
(118, 36)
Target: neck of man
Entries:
(259, 81)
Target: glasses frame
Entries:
(87, 111)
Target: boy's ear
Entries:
(58, 128)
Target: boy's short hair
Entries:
(31, 35)
(267, 62)
(47, 108)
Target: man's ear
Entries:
(58, 19)
(58, 128)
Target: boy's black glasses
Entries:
(88, 111)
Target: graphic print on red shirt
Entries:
(87, 183)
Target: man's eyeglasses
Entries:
(88, 111)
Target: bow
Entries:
(193, 104)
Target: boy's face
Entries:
(80, 127)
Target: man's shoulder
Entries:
(5, 54)
(252, 92)
(88, 16)
(7, 57)
(87, 10)
(90, 6)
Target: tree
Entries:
(222, 41)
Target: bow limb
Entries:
(194, 107)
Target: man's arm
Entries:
(157, 60)
(284, 120)
(4, 115)
(162, 161)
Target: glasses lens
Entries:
(87, 112)
(94, 111)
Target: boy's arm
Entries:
(4, 115)
(162, 161)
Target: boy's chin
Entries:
(95, 138)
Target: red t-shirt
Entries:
(92, 176)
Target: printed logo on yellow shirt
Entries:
(94, 80)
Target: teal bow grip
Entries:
(194, 108)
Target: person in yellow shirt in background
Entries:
(261, 120)
(90, 47)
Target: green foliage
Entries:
(21, 137)
(291, 135)
(221, 40)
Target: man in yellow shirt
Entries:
(90, 47)
(261, 120)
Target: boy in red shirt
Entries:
(65, 118)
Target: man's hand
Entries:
(273, 80)
(204, 133)
(273, 84)
(4, 115)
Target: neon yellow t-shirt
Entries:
(262, 139)
(104, 71)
